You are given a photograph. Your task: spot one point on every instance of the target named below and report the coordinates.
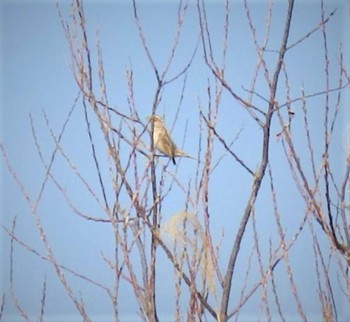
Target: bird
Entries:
(162, 140)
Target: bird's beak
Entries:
(151, 118)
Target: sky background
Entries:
(36, 77)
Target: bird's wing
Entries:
(165, 144)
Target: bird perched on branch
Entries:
(162, 140)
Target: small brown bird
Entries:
(162, 140)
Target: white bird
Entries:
(162, 140)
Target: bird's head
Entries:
(155, 118)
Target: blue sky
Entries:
(36, 76)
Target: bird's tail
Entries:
(179, 153)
